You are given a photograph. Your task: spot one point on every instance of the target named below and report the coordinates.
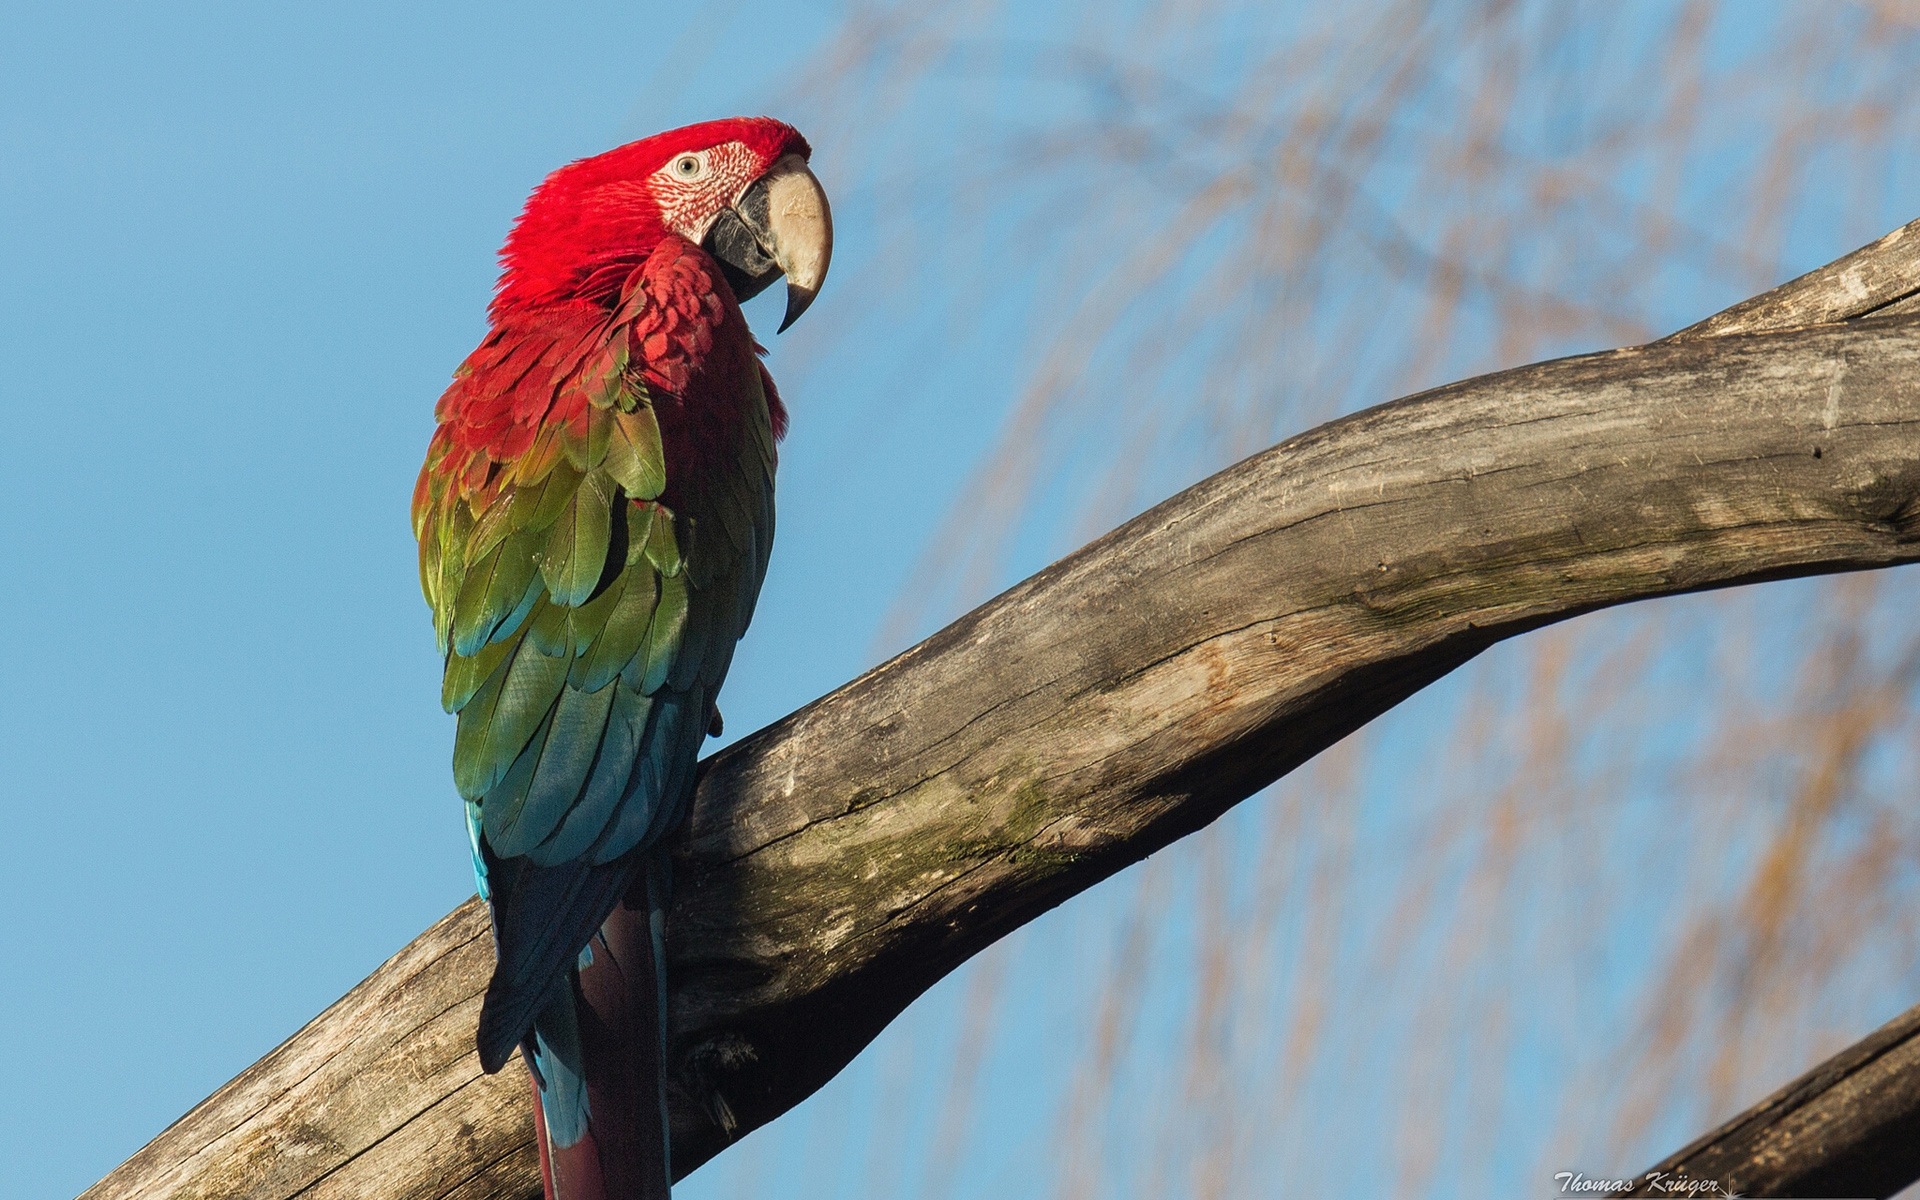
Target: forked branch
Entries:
(842, 860)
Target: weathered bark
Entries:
(842, 860)
(1849, 1127)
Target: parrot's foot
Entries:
(714, 724)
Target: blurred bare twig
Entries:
(1621, 879)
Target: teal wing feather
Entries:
(587, 629)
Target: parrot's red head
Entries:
(739, 187)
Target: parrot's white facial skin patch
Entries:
(693, 188)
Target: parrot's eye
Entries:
(689, 166)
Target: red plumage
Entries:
(686, 335)
(617, 400)
(591, 216)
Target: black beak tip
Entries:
(797, 301)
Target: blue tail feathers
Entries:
(597, 1053)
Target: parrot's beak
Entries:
(780, 226)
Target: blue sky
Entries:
(244, 245)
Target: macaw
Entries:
(594, 518)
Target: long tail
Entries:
(596, 1055)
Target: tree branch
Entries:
(1849, 1127)
(842, 860)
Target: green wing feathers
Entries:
(586, 625)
